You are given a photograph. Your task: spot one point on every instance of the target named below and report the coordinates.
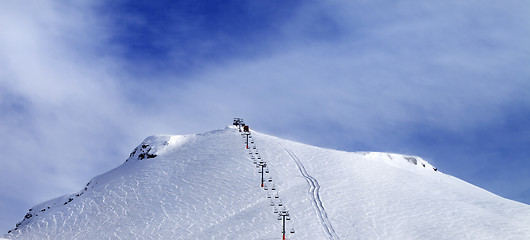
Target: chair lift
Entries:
(276, 196)
(275, 210)
(280, 203)
(268, 195)
(279, 217)
(267, 170)
(272, 203)
(254, 147)
(265, 187)
(270, 179)
(273, 187)
(292, 230)
(288, 217)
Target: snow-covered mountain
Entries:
(207, 186)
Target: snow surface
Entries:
(207, 186)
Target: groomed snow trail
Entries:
(314, 189)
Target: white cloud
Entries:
(61, 102)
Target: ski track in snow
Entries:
(314, 188)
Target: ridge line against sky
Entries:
(82, 83)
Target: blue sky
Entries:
(82, 83)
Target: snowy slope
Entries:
(206, 186)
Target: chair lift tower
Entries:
(246, 131)
(262, 164)
(284, 215)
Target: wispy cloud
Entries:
(61, 107)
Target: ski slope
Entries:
(207, 186)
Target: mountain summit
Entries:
(211, 186)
